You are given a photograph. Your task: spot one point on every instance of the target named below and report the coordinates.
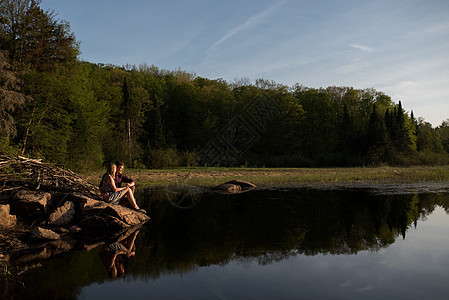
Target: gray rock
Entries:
(63, 215)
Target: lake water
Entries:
(278, 244)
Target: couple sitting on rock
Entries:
(111, 187)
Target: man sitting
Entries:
(120, 177)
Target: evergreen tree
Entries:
(376, 138)
(406, 142)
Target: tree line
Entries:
(83, 114)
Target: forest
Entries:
(84, 114)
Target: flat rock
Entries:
(6, 219)
(44, 234)
(102, 215)
(63, 215)
(29, 203)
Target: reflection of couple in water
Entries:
(116, 255)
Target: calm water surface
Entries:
(282, 244)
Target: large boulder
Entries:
(44, 234)
(102, 215)
(243, 184)
(30, 203)
(227, 188)
(63, 215)
(233, 187)
(6, 219)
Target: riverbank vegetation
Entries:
(83, 114)
(276, 177)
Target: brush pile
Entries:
(21, 171)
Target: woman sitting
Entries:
(112, 194)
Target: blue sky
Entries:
(400, 47)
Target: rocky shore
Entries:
(45, 211)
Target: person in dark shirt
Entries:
(120, 177)
(117, 195)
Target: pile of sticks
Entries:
(14, 171)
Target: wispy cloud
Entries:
(183, 41)
(366, 288)
(346, 284)
(250, 22)
(438, 28)
(362, 47)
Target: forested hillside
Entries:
(83, 114)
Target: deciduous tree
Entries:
(10, 97)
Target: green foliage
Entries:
(11, 98)
(431, 158)
(89, 125)
(45, 124)
(376, 138)
(6, 148)
(84, 114)
(189, 158)
(427, 138)
(34, 37)
(170, 158)
(318, 131)
(162, 158)
(443, 131)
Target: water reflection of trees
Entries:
(268, 226)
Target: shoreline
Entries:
(381, 180)
(285, 177)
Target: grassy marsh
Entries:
(268, 177)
